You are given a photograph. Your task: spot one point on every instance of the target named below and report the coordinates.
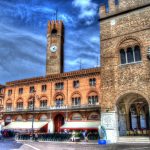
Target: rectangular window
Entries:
(9, 92)
(59, 86)
(20, 90)
(92, 82)
(76, 84)
(44, 87)
(31, 89)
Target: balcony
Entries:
(53, 108)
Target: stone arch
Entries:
(9, 100)
(58, 94)
(43, 96)
(92, 92)
(121, 94)
(129, 105)
(126, 42)
(129, 38)
(76, 93)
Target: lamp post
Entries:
(33, 102)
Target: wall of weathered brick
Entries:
(125, 29)
(123, 6)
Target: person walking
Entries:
(85, 135)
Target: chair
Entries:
(139, 132)
(144, 132)
(131, 132)
(127, 132)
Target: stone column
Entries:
(50, 125)
(66, 116)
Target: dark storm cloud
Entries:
(23, 27)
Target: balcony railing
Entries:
(52, 108)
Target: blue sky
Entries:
(23, 27)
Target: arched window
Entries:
(93, 98)
(59, 101)
(76, 100)
(123, 56)
(54, 32)
(9, 105)
(43, 103)
(130, 55)
(19, 104)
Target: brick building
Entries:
(60, 97)
(116, 95)
(125, 67)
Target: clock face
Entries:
(53, 48)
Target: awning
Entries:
(20, 125)
(81, 125)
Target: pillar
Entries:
(50, 125)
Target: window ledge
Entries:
(137, 62)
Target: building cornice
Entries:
(56, 77)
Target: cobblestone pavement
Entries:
(13, 145)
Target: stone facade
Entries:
(124, 26)
(122, 30)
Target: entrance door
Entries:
(58, 121)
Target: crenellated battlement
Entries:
(120, 7)
(55, 24)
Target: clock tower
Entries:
(55, 40)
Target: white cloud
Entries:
(87, 9)
(81, 3)
(66, 18)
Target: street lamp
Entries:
(33, 102)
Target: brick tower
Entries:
(55, 38)
(125, 74)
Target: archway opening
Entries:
(58, 122)
(133, 115)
